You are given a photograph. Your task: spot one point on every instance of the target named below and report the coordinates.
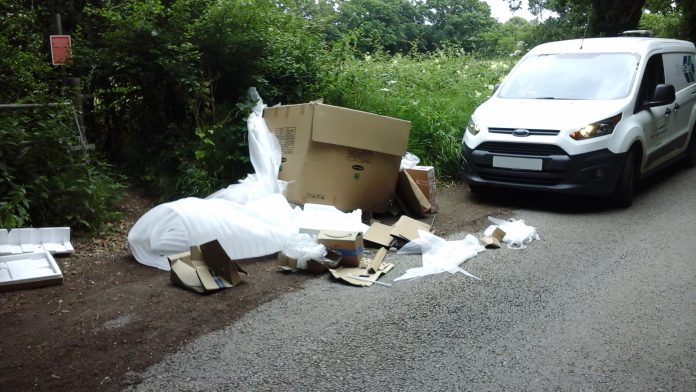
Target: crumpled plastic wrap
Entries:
(304, 247)
(517, 233)
(440, 255)
(409, 161)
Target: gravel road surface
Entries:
(606, 300)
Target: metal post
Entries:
(59, 25)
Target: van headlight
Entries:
(596, 129)
(472, 127)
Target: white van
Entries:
(589, 116)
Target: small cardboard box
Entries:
(424, 176)
(348, 244)
(204, 268)
(338, 156)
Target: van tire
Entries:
(477, 190)
(627, 181)
(690, 154)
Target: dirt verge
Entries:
(113, 317)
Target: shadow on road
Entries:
(572, 204)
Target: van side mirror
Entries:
(664, 95)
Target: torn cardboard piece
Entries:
(338, 156)
(379, 234)
(29, 270)
(406, 229)
(204, 268)
(410, 197)
(364, 277)
(492, 241)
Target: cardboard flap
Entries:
(366, 131)
(410, 196)
(184, 275)
(376, 263)
(407, 228)
(360, 276)
(379, 234)
(210, 280)
(218, 260)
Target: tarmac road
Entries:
(606, 300)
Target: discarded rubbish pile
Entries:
(328, 159)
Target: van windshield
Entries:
(572, 76)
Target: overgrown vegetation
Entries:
(437, 92)
(165, 83)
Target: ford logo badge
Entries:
(520, 132)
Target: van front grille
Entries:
(521, 148)
(532, 132)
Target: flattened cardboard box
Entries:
(424, 176)
(204, 268)
(364, 277)
(348, 244)
(338, 156)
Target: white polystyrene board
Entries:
(29, 269)
(317, 217)
(29, 240)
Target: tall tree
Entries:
(603, 17)
(458, 21)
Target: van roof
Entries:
(640, 45)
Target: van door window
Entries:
(680, 70)
(654, 74)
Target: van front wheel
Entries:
(628, 179)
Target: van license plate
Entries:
(517, 163)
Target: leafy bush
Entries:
(44, 180)
(437, 92)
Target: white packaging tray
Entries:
(55, 240)
(29, 270)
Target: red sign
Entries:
(60, 49)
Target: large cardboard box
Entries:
(337, 156)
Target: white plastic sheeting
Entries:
(440, 255)
(249, 219)
(517, 233)
(316, 217)
(255, 229)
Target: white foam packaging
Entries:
(29, 270)
(55, 240)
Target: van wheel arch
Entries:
(690, 153)
(629, 176)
